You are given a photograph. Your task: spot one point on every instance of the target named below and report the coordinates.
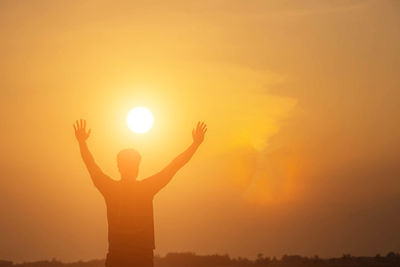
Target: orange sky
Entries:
(301, 98)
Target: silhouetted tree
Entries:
(189, 259)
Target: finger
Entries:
(201, 126)
(84, 124)
(77, 124)
(197, 126)
(88, 133)
(205, 130)
(73, 125)
(81, 123)
(204, 126)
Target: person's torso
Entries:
(130, 217)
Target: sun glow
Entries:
(140, 120)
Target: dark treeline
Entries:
(193, 260)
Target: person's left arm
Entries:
(161, 179)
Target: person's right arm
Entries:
(100, 180)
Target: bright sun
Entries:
(140, 120)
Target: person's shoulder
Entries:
(142, 182)
(151, 179)
(111, 187)
(113, 180)
(145, 185)
(112, 183)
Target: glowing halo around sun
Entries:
(140, 120)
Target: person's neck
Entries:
(128, 179)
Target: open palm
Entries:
(199, 132)
(80, 130)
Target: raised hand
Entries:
(199, 132)
(80, 130)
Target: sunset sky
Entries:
(301, 98)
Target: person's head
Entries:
(128, 161)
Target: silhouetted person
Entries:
(129, 201)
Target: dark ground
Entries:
(193, 260)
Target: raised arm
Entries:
(100, 180)
(161, 179)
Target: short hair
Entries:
(128, 155)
